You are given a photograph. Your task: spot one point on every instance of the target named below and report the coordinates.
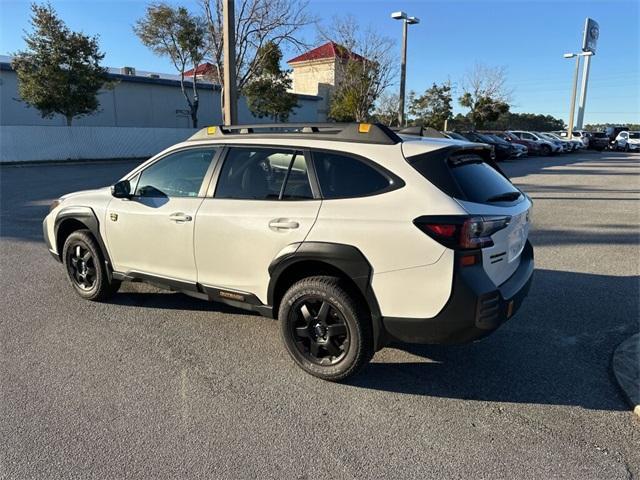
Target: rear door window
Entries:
(342, 176)
(263, 174)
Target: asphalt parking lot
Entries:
(158, 385)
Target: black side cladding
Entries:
(88, 218)
(346, 258)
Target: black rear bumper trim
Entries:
(475, 308)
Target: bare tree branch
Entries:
(367, 68)
(257, 22)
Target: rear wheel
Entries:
(85, 267)
(325, 330)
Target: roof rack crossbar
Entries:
(346, 132)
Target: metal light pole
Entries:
(229, 63)
(574, 91)
(406, 21)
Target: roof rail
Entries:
(340, 132)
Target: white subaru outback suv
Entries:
(350, 235)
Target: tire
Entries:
(626, 147)
(85, 267)
(327, 332)
(546, 150)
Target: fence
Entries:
(48, 143)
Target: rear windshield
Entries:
(466, 177)
(480, 182)
(599, 134)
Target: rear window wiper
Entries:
(504, 197)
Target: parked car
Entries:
(517, 149)
(628, 141)
(598, 141)
(503, 150)
(459, 136)
(581, 135)
(455, 136)
(533, 146)
(612, 133)
(350, 234)
(567, 145)
(547, 147)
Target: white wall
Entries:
(39, 143)
(140, 102)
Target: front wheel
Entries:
(546, 150)
(86, 270)
(326, 330)
(626, 147)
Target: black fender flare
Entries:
(88, 218)
(345, 258)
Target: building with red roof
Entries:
(318, 71)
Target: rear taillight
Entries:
(462, 233)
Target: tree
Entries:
(386, 111)
(363, 76)
(485, 94)
(526, 121)
(600, 127)
(258, 22)
(59, 72)
(432, 108)
(460, 122)
(267, 93)
(175, 33)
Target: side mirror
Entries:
(121, 189)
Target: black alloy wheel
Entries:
(86, 268)
(82, 266)
(320, 331)
(326, 328)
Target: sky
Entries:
(527, 37)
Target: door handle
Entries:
(180, 217)
(283, 224)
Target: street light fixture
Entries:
(406, 20)
(575, 88)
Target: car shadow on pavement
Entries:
(556, 350)
(169, 300)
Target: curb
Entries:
(626, 368)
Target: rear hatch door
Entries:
(489, 193)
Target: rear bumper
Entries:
(475, 309)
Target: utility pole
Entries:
(229, 63)
(406, 21)
(583, 91)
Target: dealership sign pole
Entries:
(589, 43)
